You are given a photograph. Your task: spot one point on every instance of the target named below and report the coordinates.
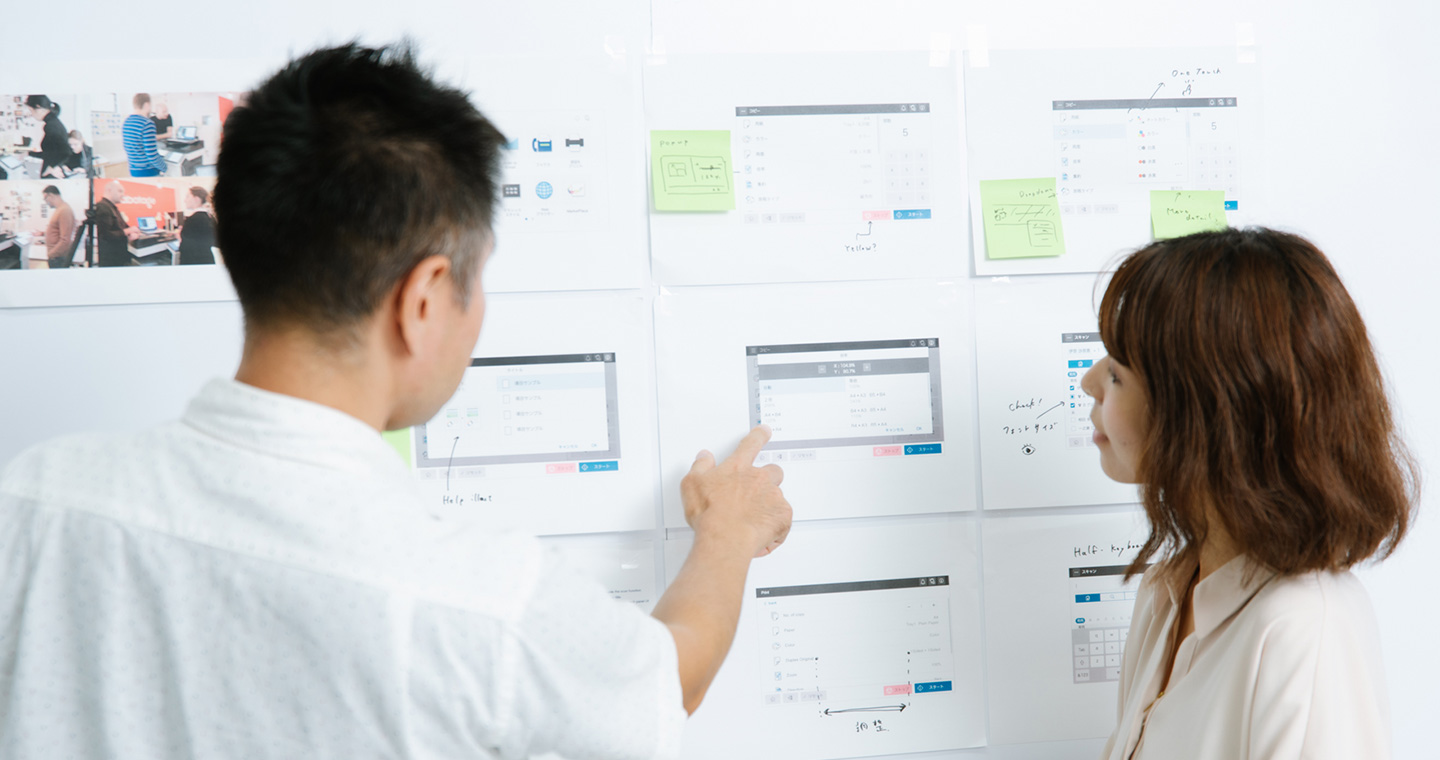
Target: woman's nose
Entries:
(1090, 382)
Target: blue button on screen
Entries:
(599, 466)
(912, 213)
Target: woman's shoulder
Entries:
(1309, 609)
(1314, 594)
(1318, 666)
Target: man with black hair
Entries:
(60, 231)
(260, 578)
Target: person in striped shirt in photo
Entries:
(139, 133)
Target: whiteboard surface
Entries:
(1337, 81)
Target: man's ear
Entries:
(417, 298)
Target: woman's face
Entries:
(1121, 416)
(76, 144)
(191, 202)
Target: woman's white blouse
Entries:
(1278, 667)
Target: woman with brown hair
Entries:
(1242, 395)
(197, 234)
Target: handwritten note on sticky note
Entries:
(1022, 218)
(691, 170)
(1176, 213)
(400, 441)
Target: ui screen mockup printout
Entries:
(550, 430)
(1057, 617)
(847, 396)
(864, 387)
(624, 565)
(570, 215)
(1108, 127)
(556, 411)
(846, 167)
(1035, 338)
(843, 651)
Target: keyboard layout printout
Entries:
(1101, 611)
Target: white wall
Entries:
(1350, 116)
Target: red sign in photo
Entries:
(141, 198)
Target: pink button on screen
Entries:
(899, 688)
(559, 468)
(889, 451)
(875, 216)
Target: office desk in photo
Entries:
(11, 255)
(19, 164)
(154, 250)
(98, 164)
(33, 252)
(182, 157)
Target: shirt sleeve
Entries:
(1320, 691)
(600, 677)
(67, 225)
(576, 673)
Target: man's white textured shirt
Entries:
(260, 580)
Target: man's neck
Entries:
(297, 363)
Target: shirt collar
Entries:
(291, 428)
(1222, 594)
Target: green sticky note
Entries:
(1176, 213)
(400, 441)
(691, 170)
(1022, 218)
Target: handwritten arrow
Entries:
(882, 708)
(1051, 409)
(451, 463)
(869, 227)
(1152, 95)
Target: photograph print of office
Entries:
(150, 160)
